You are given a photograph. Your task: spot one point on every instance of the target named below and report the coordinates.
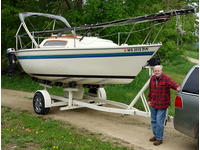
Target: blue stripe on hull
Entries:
(86, 55)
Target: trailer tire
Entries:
(39, 104)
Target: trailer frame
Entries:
(74, 99)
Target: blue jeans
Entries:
(157, 122)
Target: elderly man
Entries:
(159, 100)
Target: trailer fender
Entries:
(102, 93)
(47, 98)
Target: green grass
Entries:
(192, 54)
(23, 130)
(25, 83)
(191, 46)
(121, 93)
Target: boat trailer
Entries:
(74, 98)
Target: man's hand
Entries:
(178, 89)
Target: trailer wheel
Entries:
(38, 104)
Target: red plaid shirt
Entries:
(159, 91)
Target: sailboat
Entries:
(84, 60)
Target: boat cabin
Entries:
(71, 41)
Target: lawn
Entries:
(192, 54)
(191, 50)
(22, 130)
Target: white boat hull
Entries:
(118, 65)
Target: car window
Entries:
(55, 43)
(192, 84)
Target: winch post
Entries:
(141, 93)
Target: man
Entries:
(159, 100)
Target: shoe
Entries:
(157, 142)
(153, 139)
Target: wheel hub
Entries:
(38, 104)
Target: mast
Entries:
(160, 17)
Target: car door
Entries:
(187, 111)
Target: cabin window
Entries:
(55, 43)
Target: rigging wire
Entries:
(53, 21)
(150, 35)
(147, 37)
(23, 44)
(54, 24)
(31, 24)
(49, 25)
(129, 34)
(158, 33)
(132, 31)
